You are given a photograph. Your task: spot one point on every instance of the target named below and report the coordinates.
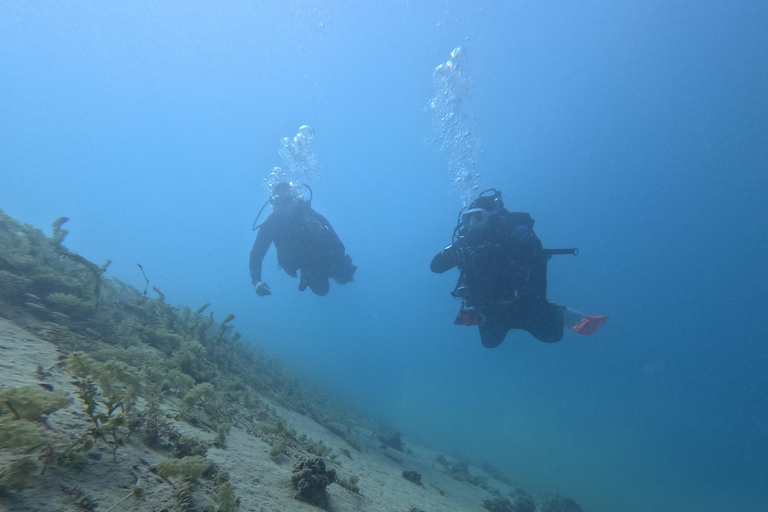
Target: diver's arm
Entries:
(259, 250)
(446, 259)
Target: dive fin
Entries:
(466, 317)
(589, 324)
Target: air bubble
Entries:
(452, 126)
(300, 163)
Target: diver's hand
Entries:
(262, 289)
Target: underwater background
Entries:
(635, 131)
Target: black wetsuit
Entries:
(305, 242)
(504, 278)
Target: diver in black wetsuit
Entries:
(503, 273)
(305, 243)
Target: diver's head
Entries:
(283, 196)
(489, 200)
(482, 212)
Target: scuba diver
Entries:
(304, 240)
(503, 275)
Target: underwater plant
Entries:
(192, 467)
(349, 484)
(222, 431)
(32, 402)
(318, 449)
(200, 394)
(278, 446)
(187, 446)
(17, 475)
(119, 385)
(183, 495)
(21, 433)
(81, 499)
(225, 498)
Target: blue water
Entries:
(636, 131)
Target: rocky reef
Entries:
(310, 479)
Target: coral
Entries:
(495, 473)
(560, 504)
(392, 440)
(524, 505)
(191, 467)
(504, 505)
(412, 476)
(310, 478)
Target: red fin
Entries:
(589, 324)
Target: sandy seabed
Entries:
(262, 483)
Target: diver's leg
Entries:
(493, 330)
(544, 320)
(303, 281)
(318, 284)
(345, 270)
(547, 325)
